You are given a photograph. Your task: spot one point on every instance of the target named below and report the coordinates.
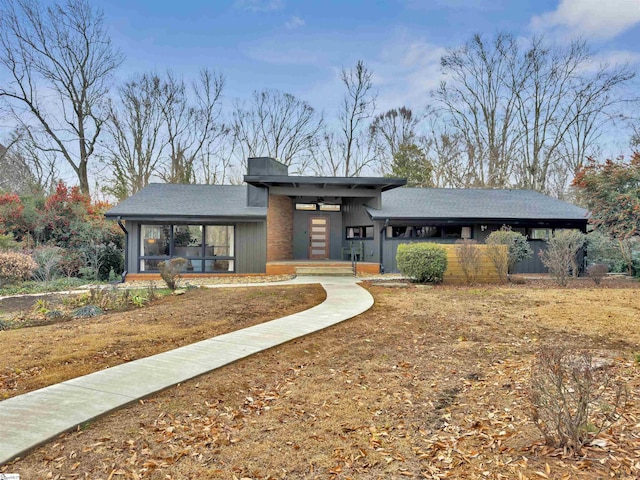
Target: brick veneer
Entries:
(279, 228)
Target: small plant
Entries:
(572, 398)
(15, 267)
(5, 324)
(422, 262)
(469, 256)
(560, 255)
(138, 300)
(152, 291)
(87, 311)
(112, 275)
(597, 272)
(54, 315)
(41, 306)
(171, 271)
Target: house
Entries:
(277, 221)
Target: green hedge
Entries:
(422, 262)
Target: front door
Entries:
(318, 237)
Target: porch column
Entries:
(279, 228)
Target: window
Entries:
(428, 231)
(359, 232)
(208, 248)
(306, 206)
(312, 207)
(452, 232)
(399, 232)
(325, 207)
(539, 233)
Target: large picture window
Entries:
(207, 248)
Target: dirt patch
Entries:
(429, 383)
(26, 302)
(39, 356)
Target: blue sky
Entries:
(300, 46)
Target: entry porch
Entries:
(322, 267)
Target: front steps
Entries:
(325, 271)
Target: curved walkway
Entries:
(33, 418)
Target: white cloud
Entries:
(405, 73)
(590, 18)
(294, 22)
(256, 6)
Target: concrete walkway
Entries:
(36, 417)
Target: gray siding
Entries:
(251, 247)
(355, 215)
(133, 242)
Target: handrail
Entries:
(354, 260)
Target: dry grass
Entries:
(45, 355)
(430, 383)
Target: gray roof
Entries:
(163, 200)
(483, 204)
(383, 183)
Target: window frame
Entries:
(202, 259)
(363, 232)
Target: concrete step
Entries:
(325, 271)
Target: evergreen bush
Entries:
(422, 262)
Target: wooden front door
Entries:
(318, 237)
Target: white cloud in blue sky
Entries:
(590, 18)
(294, 22)
(300, 47)
(257, 6)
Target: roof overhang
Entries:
(542, 222)
(187, 218)
(349, 183)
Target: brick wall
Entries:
(279, 228)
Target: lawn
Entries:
(430, 383)
(39, 356)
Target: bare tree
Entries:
(526, 114)
(136, 139)
(24, 168)
(279, 125)
(358, 105)
(59, 60)
(390, 131)
(480, 107)
(192, 128)
(560, 109)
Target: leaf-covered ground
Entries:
(35, 357)
(430, 383)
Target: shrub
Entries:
(48, 259)
(15, 266)
(469, 256)
(597, 272)
(518, 249)
(560, 255)
(572, 397)
(87, 311)
(422, 262)
(7, 242)
(71, 263)
(171, 271)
